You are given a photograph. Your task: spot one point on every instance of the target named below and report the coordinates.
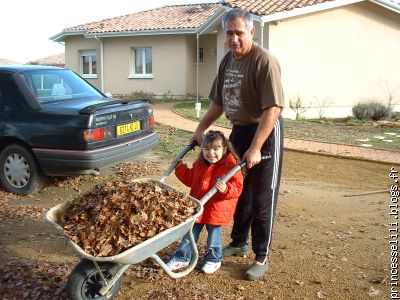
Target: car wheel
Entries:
(19, 172)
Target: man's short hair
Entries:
(237, 13)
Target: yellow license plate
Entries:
(128, 128)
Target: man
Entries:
(248, 89)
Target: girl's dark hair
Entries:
(211, 137)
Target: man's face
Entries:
(238, 38)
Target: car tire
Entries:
(85, 282)
(19, 172)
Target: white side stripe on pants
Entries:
(277, 153)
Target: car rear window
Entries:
(56, 85)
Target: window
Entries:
(88, 64)
(201, 55)
(142, 63)
(57, 85)
(11, 98)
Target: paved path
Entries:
(163, 114)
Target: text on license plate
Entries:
(128, 128)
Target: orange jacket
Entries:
(201, 178)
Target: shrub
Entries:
(374, 110)
(360, 111)
(379, 111)
(142, 94)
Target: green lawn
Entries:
(384, 135)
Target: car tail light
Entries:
(148, 123)
(151, 121)
(98, 134)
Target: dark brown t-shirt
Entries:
(247, 86)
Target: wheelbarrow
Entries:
(101, 277)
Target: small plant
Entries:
(142, 94)
(168, 95)
(360, 111)
(322, 106)
(189, 96)
(379, 111)
(298, 106)
(373, 110)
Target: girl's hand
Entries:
(178, 163)
(221, 186)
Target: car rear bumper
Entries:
(56, 162)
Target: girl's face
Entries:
(213, 152)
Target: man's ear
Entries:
(253, 31)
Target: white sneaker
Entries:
(211, 267)
(174, 264)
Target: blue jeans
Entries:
(214, 244)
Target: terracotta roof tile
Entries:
(166, 17)
(4, 61)
(53, 60)
(262, 7)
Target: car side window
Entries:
(11, 98)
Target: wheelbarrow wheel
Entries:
(85, 282)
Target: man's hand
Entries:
(264, 129)
(221, 186)
(252, 157)
(197, 136)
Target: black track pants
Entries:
(257, 203)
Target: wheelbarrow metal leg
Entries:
(192, 265)
(108, 284)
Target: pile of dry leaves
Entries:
(22, 279)
(115, 216)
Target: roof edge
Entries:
(212, 20)
(391, 5)
(388, 4)
(139, 33)
(60, 37)
(306, 10)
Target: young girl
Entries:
(216, 159)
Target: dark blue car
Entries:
(54, 123)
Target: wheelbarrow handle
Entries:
(224, 179)
(174, 163)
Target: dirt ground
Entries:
(325, 245)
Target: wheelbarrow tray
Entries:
(142, 250)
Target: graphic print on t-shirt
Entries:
(232, 85)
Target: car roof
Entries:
(17, 68)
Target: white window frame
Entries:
(89, 54)
(143, 58)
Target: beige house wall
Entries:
(339, 58)
(174, 63)
(207, 70)
(170, 56)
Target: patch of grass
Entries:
(172, 140)
(186, 109)
(340, 131)
(345, 131)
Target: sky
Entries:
(27, 25)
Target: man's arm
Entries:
(264, 129)
(212, 114)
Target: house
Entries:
(5, 62)
(333, 54)
(57, 60)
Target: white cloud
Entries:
(26, 25)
